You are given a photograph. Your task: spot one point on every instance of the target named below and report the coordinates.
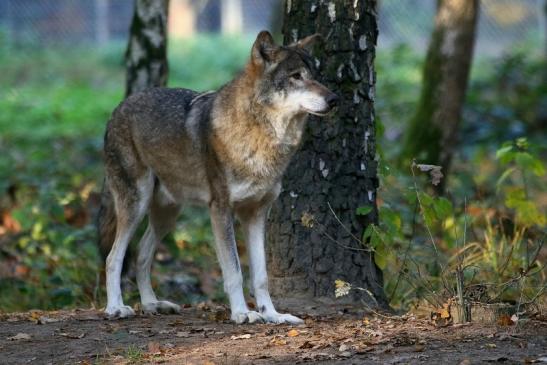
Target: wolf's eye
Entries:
(296, 76)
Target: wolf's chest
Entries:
(247, 190)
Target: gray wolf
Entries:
(227, 150)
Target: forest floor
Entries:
(203, 335)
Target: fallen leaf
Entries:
(45, 320)
(154, 348)
(278, 341)
(203, 306)
(19, 336)
(444, 313)
(505, 320)
(241, 337)
(72, 336)
(343, 347)
(307, 220)
(514, 318)
(293, 333)
(491, 345)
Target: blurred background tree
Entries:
(146, 55)
(432, 133)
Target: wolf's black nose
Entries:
(332, 100)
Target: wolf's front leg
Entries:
(225, 244)
(254, 224)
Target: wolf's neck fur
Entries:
(271, 136)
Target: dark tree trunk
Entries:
(432, 133)
(146, 55)
(335, 165)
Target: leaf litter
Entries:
(194, 338)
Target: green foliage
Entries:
(493, 216)
(421, 249)
(518, 158)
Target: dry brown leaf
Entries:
(444, 313)
(154, 348)
(505, 320)
(293, 333)
(434, 172)
(419, 348)
(278, 341)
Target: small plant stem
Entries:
(407, 251)
(437, 257)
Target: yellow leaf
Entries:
(293, 333)
(278, 342)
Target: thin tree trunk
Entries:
(432, 135)
(146, 55)
(101, 22)
(335, 167)
(231, 16)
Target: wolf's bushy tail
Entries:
(106, 222)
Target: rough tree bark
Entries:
(432, 133)
(146, 55)
(335, 166)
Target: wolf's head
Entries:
(284, 77)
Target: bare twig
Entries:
(343, 225)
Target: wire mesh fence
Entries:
(502, 23)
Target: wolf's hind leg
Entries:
(131, 205)
(161, 221)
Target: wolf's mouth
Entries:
(320, 114)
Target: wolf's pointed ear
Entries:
(264, 48)
(308, 42)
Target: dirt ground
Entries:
(203, 335)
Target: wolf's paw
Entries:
(119, 311)
(247, 317)
(161, 306)
(281, 318)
